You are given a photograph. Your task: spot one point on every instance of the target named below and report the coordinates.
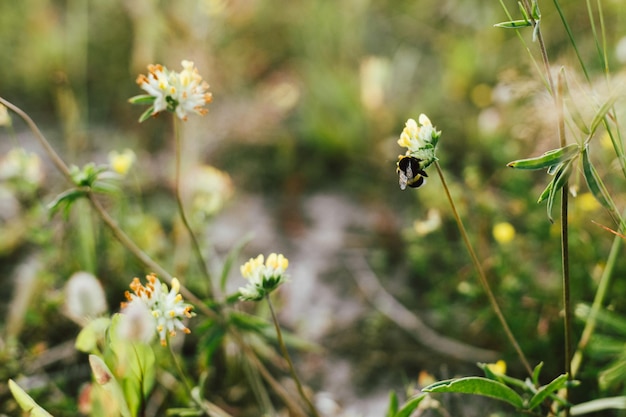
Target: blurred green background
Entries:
(309, 98)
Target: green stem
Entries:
(598, 300)
(209, 408)
(481, 274)
(181, 211)
(565, 264)
(285, 353)
(294, 408)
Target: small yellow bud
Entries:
(503, 232)
(497, 368)
(121, 162)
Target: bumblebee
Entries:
(410, 172)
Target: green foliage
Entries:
(309, 97)
(91, 178)
(478, 386)
(26, 402)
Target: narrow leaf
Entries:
(616, 403)
(523, 10)
(26, 402)
(535, 10)
(142, 99)
(478, 386)
(513, 24)
(595, 184)
(410, 406)
(559, 181)
(536, 373)
(146, 115)
(104, 377)
(393, 404)
(547, 390)
(601, 113)
(548, 159)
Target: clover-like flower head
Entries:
(263, 276)
(179, 92)
(420, 138)
(166, 305)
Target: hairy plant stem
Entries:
(292, 369)
(181, 210)
(481, 274)
(119, 234)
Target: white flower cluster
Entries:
(263, 276)
(166, 305)
(180, 92)
(416, 136)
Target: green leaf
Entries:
(535, 10)
(522, 9)
(536, 373)
(615, 403)
(548, 159)
(26, 402)
(557, 183)
(142, 99)
(410, 406)
(88, 338)
(601, 113)
(138, 383)
(513, 24)
(393, 404)
(610, 321)
(65, 201)
(244, 321)
(595, 184)
(505, 379)
(146, 115)
(613, 375)
(104, 377)
(547, 390)
(478, 386)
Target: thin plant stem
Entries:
(481, 274)
(285, 353)
(181, 210)
(530, 54)
(294, 407)
(567, 302)
(54, 157)
(119, 234)
(209, 408)
(598, 300)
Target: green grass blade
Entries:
(570, 35)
